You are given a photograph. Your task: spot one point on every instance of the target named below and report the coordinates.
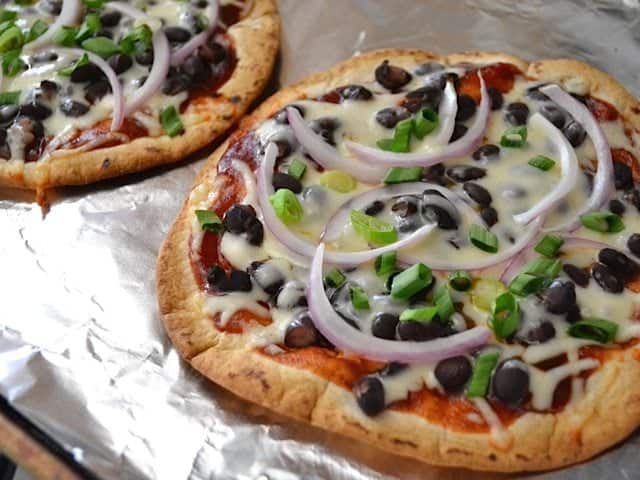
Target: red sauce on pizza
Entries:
(603, 111)
(500, 76)
(627, 158)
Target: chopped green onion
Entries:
(170, 120)
(444, 303)
(4, 26)
(94, 4)
(25, 2)
(505, 315)
(549, 245)
(67, 71)
(460, 280)
(12, 64)
(605, 222)
(297, 169)
(525, 284)
(543, 267)
(401, 141)
(10, 98)
(385, 264)
(541, 162)
(484, 291)
(483, 239)
(103, 46)
(11, 39)
(8, 16)
(335, 278)
(372, 229)
(424, 314)
(338, 181)
(601, 331)
(137, 40)
(287, 206)
(89, 27)
(403, 174)
(514, 137)
(66, 36)
(36, 30)
(426, 122)
(481, 376)
(359, 298)
(209, 221)
(411, 281)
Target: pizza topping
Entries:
(391, 77)
(369, 393)
(510, 383)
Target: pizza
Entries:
(93, 89)
(436, 255)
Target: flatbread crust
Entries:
(256, 38)
(605, 415)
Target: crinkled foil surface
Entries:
(82, 351)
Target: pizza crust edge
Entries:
(607, 414)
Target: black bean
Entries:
(607, 280)
(439, 215)
(534, 93)
(8, 112)
(384, 326)
(49, 89)
(374, 208)
(486, 152)
(44, 56)
(464, 173)
(428, 96)
(574, 133)
(301, 332)
(621, 265)
(73, 108)
(284, 180)
(200, 3)
(540, 334)
(36, 111)
(255, 232)
(633, 197)
(325, 127)
(573, 315)
(104, 33)
(510, 383)
(420, 331)
(355, 92)
(517, 113)
(177, 34)
(453, 373)
(215, 275)
(617, 207)
(369, 393)
(392, 368)
(405, 207)
(427, 68)
(435, 174)
(490, 216)
(120, 63)
(623, 176)
(238, 218)
(281, 116)
(110, 19)
(579, 276)
(176, 83)
(145, 57)
(86, 73)
(96, 90)
(390, 116)
(284, 149)
(266, 276)
(466, 108)
(496, 98)
(478, 193)
(237, 281)
(459, 131)
(141, 81)
(633, 244)
(391, 77)
(554, 114)
(559, 297)
(213, 52)
(196, 68)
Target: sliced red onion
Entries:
(447, 114)
(182, 53)
(486, 261)
(161, 61)
(305, 248)
(118, 97)
(71, 11)
(327, 155)
(350, 340)
(603, 184)
(568, 166)
(456, 149)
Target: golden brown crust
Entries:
(609, 411)
(256, 39)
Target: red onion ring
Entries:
(299, 246)
(328, 156)
(161, 60)
(569, 171)
(116, 88)
(447, 114)
(182, 53)
(71, 11)
(348, 339)
(456, 149)
(603, 184)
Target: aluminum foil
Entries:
(82, 351)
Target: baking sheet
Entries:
(82, 352)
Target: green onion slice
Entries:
(401, 141)
(170, 120)
(426, 122)
(372, 229)
(359, 298)
(402, 175)
(542, 163)
(543, 267)
(385, 264)
(549, 245)
(11, 39)
(297, 169)
(209, 221)
(335, 278)
(601, 331)
(36, 30)
(424, 314)
(89, 27)
(12, 64)
(460, 280)
(67, 71)
(481, 376)
(66, 36)
(103, 46)
(604, 222)
(525, 284)
(10, 98)
(444, 303)
(287, 206)
(505, 315)
(338, 181)
(411, 281)
(483, 239)
(514, 137)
